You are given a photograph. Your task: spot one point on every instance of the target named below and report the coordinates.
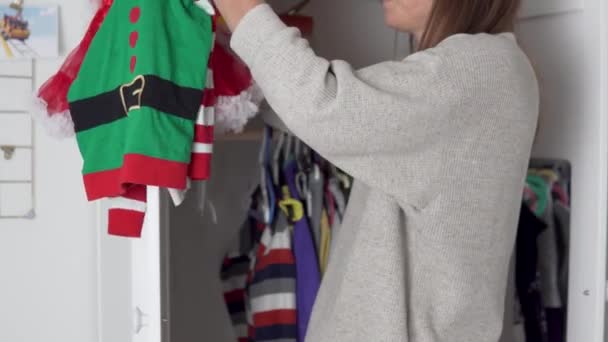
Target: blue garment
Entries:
(308, 277)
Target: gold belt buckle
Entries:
(137, 93)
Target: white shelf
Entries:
(537, 8)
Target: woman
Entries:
(439, 145)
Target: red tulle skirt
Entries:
(238, 98)
(53, 93)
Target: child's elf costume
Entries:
(111, 124)
(237, 96)
(135, 102)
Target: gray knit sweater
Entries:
(439, 145)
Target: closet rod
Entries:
(252, 135)
(269, 117)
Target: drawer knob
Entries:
(9, 151)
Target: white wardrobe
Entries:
(165, 286)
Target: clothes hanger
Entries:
(308, 157)
(338, 196)
(272, 200)
(302, 185)
(287, 150)
(561, 166)
(275, 159)
(342, 177)
(263, 161)
(206, 6)
(270, 186)
(346, 180)
(295, 9)
(330, 205)
(550, 168)
(304, 192)
(551, 175)
(298, 153)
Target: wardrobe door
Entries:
(114, 282)
(569, 49)
(146, 273)
(129, 279)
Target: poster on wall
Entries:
(28, 31)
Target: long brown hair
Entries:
(449, 17)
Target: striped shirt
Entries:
(261, 298)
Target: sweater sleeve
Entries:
(362, 121)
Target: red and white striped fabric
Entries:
(229, 93)
(202, 146)
(126, 214)
(271, 286)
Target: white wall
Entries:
(48, 265)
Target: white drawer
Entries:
(18, 167)
(15, 129)
(15, 94)
(16, 200)
(19, 68)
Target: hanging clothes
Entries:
(325, 242)
(271, 288)
(233, 274)
(316, 184)
(550, 255)
(124, 118)
(540, 190)
(542, 251)
(526, 275)
(561, 211)
(307, 265)
(284, 259)
(259, 279)
(548, 262)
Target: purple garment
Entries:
(308, 277)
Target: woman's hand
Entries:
(234, 10)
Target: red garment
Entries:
(237, 99)
(228, 95)
(232, 75)
(54, 91)
(126, 214)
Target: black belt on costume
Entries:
(144, 91)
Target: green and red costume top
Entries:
(136, 101)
